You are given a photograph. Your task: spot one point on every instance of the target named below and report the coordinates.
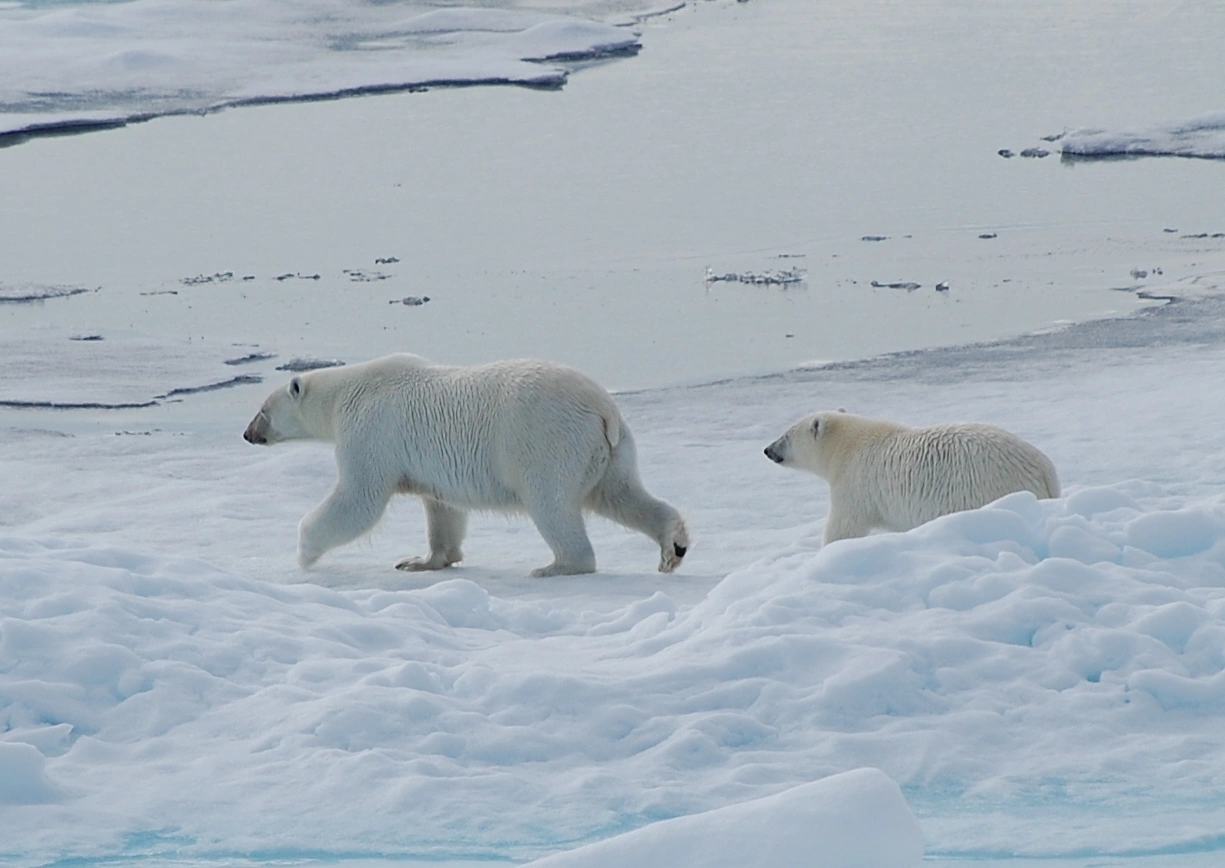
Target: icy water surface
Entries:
(851, 145)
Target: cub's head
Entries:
(283, 417)
(809, 443)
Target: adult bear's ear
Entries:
(295, 387)
(816, 426)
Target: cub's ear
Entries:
(295, 387)
(816, 426)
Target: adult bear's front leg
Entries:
(348, 512)
(447, 526)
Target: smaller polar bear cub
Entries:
(518, 436)
(889, 476)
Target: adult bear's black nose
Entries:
(773, 455)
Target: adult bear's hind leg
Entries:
(446, 528)
(562, 526)
(620, 495)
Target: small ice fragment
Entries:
(987, 235)
(1139, 273)
(874, 238)
(301, 363)
(411, 300)
(781, 277)
(942, 286)
(1035, 152)
(249, 358)
(1005, 153)
(358, 276)
(219, 277)
(907, 285)
(387, 260)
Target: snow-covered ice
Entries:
(1040, 678)
(102, 64)
(1202, 136)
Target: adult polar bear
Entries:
(885, 475)
(517, 435)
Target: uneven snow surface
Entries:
(171, 685)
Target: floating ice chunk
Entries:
(305, 363)
(780, 277)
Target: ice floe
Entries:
(1202, 136)
(103, 64)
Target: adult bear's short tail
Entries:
(613, 426)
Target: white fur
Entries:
(518, 436)
(885, 475)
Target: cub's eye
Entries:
(295, 387)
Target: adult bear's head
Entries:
(286, 415)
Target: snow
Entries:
(1202, 136)
(102, 64)
(838, 817)
(1039, 678)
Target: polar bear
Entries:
(885, 475)
(524, 435)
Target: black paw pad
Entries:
(679, 549)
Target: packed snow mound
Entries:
(103, 64)
(856, 819)
(23, 778)
(445, 720)
(1202, 136)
